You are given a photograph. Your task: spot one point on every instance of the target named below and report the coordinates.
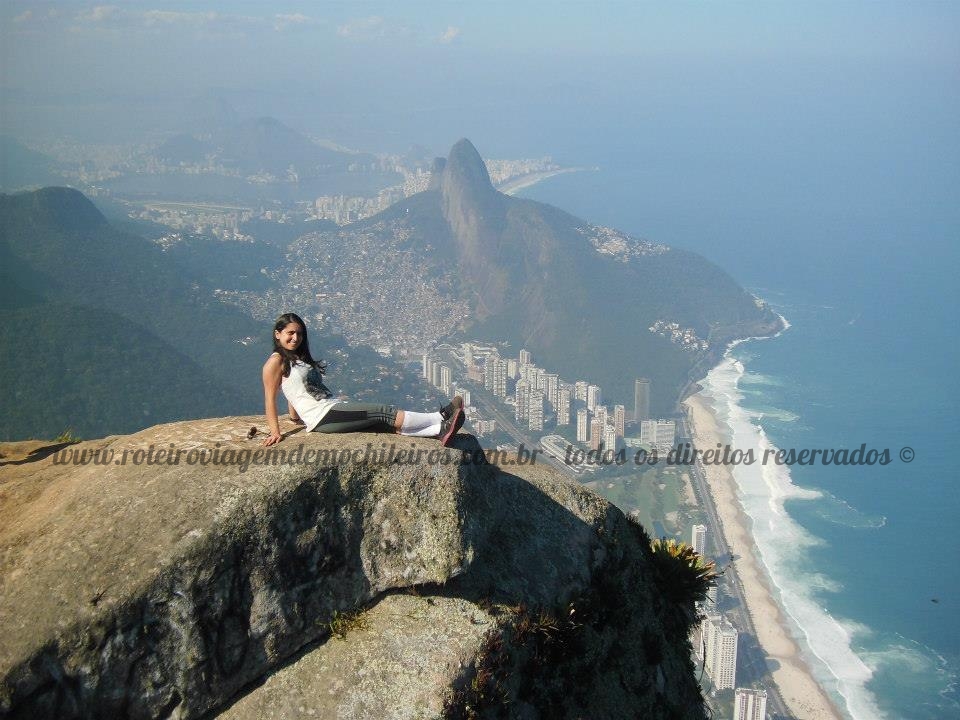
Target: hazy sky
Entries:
(373, 69)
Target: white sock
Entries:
(417, 424)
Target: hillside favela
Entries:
(433, 361)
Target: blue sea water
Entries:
(865, 557)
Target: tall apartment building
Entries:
(661, 434)
(583, 429)
(521, 400)
(596, 434)
(580, 390)
(600, 413)
(698, 539)
(609, 437)
(535, 410)
(641, 399)
(427, 362)
(525, 358)
(563, 405)
(593, 397)
(749, 704)
(713, 593)
(495, 376)
(446, 377)
(619, 419)
(513, 368)
(551, 386)
(720, 651)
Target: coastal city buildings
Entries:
(583, 434)
(749, 704)
(619, 419)
(659, 434)
(641, 399)
(593, 397)
(698, 539)
(720, 651)
(538, 398)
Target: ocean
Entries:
(864, 557)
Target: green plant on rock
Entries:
(67, 436)
(686, 575)
(342, 623)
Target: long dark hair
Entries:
(302, 353)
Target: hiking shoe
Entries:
(450, 426)
(451, 407)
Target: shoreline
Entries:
(801, 692)
(524, 181)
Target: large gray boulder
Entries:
(165, 589)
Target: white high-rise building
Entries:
(521, 401)
(619, 419)
(551, 386)
(525, 357)
(609, 437)
(720, 651)
(749, 704)
(580, 390)
(713, 593)
(426, 366)
(600, 413)
(583, 429)
(698, 539)
(495, 377)
(537, 378)
(593, 397)
(658, 433)
(535, 411)
(563, 405)
(446, 376)
(512, 368)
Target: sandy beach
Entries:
(524, 181)
(803, 695)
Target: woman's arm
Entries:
(272, 374)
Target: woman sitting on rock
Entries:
(293, 370)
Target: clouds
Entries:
(110, 19)
(99, 14)
(449, 35)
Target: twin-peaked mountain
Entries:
(582, 298)
(105, 332)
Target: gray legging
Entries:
(354, 417)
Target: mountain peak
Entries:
(62, 207)
(465, 172)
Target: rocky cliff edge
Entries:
(343, 582)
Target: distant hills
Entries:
(249, 160)
(101, 333)
(105, 333)
(259, 145)
(580, 297)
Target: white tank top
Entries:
(305, 396)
